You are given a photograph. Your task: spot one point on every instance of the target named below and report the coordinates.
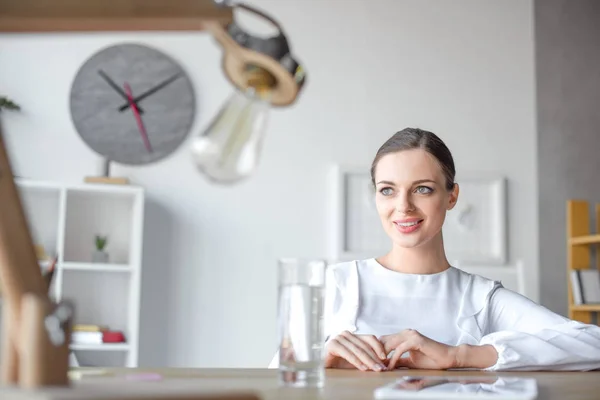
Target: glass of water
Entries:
(300, 318)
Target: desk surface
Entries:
(340, 384)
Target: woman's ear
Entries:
(453, 198)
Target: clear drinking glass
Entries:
(300, 318)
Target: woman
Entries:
(411, 308)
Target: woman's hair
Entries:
(414, 138)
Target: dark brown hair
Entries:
(414, 138)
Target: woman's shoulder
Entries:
(341, 266)
(477, 290)
(474, 280)
(340, 271)
(345, 269)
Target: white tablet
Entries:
(459, 387)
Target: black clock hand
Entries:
(151, 91)
(113, 85)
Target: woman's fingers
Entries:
(376, 345)
(361, 342)
(401, 349)
(389, 342)
(367, 358)
(338, 347)
(361, 350)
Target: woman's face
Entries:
(411, 196)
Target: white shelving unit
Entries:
(64, 219)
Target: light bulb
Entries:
(228, 151)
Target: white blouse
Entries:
(455, 307)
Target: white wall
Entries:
(463, 69)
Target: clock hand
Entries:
(138, 119)
(113, 85)
(151, 91)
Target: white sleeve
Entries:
(332, 304)
(529, 337)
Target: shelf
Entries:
(583, 240)
(93, 212)
(96, 15)
(64, 218)
(585, 307)
(100, 347)
(95, 267)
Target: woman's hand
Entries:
(424, 353)
(355, 351)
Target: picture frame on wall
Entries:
(475, 231)
(358, 233)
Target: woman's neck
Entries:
(429, 258)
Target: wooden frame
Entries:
(110, 15)
(28, 356)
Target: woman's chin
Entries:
(412, 240)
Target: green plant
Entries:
(100, 242)
(8, 104)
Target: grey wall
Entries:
(568, 94)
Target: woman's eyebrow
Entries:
(423, 181)
(414, 183)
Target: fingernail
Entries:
(363, 367)
(382, 355)
(378, 367)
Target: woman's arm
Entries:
(528, 336)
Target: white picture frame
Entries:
(475, 231)
(357, 230)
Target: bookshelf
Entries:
(581, 249)
(64, 220)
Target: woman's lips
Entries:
(408, 225)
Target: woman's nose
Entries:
(404, 204)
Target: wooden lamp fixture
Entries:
(240, 48)
(36, 331)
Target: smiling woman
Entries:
(411, 308)
(413, 173)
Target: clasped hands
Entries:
(367, 352)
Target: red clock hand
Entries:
(136, 113)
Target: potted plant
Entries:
(100, 255)
(8, 104)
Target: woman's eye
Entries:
(386, 191)
(424, 190)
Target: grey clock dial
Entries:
(132, 104)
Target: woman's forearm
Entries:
(479, 357)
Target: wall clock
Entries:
(132, 104)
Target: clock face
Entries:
(132, 104)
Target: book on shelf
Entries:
(95, 334)
(89, 328)
(585, 284)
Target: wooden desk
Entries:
(341, 384)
